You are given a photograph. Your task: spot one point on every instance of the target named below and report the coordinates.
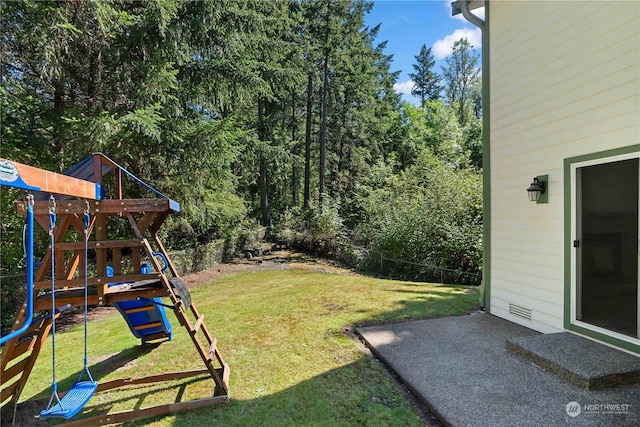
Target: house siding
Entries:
(565, 82)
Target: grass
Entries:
(282, 334)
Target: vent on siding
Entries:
(518, 310)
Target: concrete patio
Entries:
(461, 369)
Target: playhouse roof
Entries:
(87, 170)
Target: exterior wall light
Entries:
(537, 191)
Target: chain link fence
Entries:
(393, 268)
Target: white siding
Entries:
(564, 81)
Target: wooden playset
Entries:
(129, 274)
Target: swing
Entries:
(82, 390)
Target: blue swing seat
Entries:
(72, 402)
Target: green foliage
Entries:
(11, 228)
(246, 112)
(427, 82)
(318, 228)
(12, 257)
(430, 214)
(472, 142)
(215, 216)
(462, 80)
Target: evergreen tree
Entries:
(208, 100)
(427, 84)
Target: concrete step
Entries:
(586, 363)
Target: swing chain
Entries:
(52, 214)
(87, 218)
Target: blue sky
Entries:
(408, 24)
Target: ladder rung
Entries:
(23, 347)
(225, 376)
(140, 309)
(8, 391)
(212, 348)
(196, 327)
(15, 370)
(147, 326)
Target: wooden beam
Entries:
(15, 370)
(118, 173)
(99, 280)
(152, 411)
(16, 174)
(101, 252)
(163, 251)
(8, 392)
(109, 298)
(67, 246)
(107, 207)
(145, 221)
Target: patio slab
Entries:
(460, 368)
(585, 363)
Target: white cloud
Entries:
(404, 88)
(443, 47)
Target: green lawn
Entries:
(281, 332)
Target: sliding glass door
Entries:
(606, 261)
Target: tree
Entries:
(427, 84)
(208, 101)
(125, 78)
(461, 77)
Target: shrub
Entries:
(317, 229)
(431, 214)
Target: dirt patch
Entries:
(24, 414)
(276, 260)
(280, 260)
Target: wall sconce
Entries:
(537, 191)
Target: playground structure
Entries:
(129, 274)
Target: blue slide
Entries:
(146, 318)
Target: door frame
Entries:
(571, 323)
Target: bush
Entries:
(317, 229)
(431, 214)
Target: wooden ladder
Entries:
(180, 297)
(207, 349)
(202, 339)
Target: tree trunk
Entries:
(323, 125)
(307, 142)
(58, 95)
(263, 176)
(264, 199)
(294, 169)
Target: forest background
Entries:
(268, 118)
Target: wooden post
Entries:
(118, 174)
(101, 253)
